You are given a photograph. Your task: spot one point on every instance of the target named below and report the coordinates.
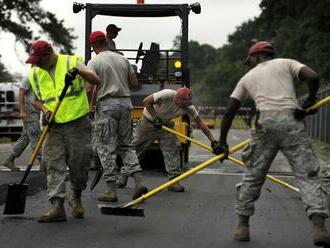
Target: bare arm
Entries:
(200, 124)
(228, 117)
(39, 105)
(149, 104)
(133, 82)
(21, 100)
(89, 75)
(312, 79)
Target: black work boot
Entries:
(56, 214)
(122, 181)
(242, 232)
(320, 233)
(140, 187)
(110, 195)
(76, 205)
(10, 164)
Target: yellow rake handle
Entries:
(43, 135)
(319, 104)
(196, 142)
(185, 175)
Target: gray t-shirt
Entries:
(111, 45)
(166, 108)
(270, 84)
(113, 70)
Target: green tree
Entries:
(18, 16)
(5, 76)
(298, 29)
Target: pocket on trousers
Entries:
(102, 131)
(247, 155)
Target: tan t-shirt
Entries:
(270, 84)
(165, 107)
(113, 70)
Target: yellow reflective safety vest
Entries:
(75, 102)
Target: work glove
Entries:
(158, 123)
(308, 103)
(71, 75)
(46, 118)
(169, 124)
(300, 114)
(219, 149)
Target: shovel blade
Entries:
(122, 211)
(16, 198)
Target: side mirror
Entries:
(195, 7)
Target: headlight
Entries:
(177, 64)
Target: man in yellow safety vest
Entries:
(68, 142)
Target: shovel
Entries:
(130, 208)
(16, 195)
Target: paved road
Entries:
(197, 155)
(202, 217)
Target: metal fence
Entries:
(318, 125)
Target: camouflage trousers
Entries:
(279, 131)
(113, 135)
(68, 145)
(146, 134)
(30, 134)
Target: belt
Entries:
(81, 118)
(275, 113)
(112, 97)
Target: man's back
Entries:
(270, 84)
(113, 69)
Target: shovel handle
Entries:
(44, 134)
(185, 175)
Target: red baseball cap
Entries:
(37, 50)
(96, 36)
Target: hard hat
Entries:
(261, 46)
(184, 95)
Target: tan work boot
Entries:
(76, 205)
(56, 214)
(110, 195)
(140, 187)
(320, 233)
(122, 181)
(10, 164)
(242, 232)
(177, 187)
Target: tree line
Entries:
(298, 29)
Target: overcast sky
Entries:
(218, 19)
